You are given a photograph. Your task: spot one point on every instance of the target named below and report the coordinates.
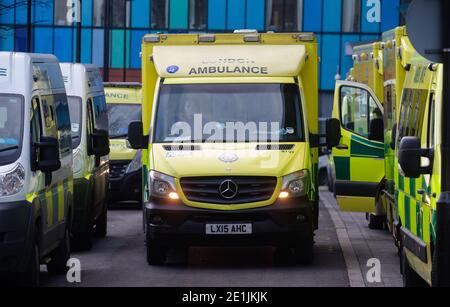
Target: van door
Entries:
(359, 158)
(99, 117)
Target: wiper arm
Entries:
(119, 136)
(9, 148)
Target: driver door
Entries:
(359, 158)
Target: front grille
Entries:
(117, 169)
(249, 189)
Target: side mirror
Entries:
(333, 132)
(100, 142)
(135, 135)
(376, 132)
(409, 157)
(393, 136)
(48, 160)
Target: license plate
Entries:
(228, 229)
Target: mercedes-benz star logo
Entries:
(228, 189)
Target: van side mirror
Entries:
(376, 132)
(393, 136)
(409, 157)
(100, 142)
(136, 135)
(48, 160)
(333, 132)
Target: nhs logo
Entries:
(373, 11)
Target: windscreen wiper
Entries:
(119, 136)
(9, 148)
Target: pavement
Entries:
(343, 246)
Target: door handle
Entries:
(421, 191)
(342, 147)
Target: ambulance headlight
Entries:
(12, 183)
(162, 185)
(295, 184)
(135, 164)
(77, 161)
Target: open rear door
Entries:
(359, 158)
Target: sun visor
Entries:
(229, 61)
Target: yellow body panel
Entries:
(348, 203)
(122, 94)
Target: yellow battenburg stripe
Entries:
(49, 206)
(61, 210)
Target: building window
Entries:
(198, 11)
(99, 13)
(160, 12)
(120, 13)
(61, 10)
(284, 15)
(351, 15)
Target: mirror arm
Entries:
(314, 139)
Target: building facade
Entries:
(112, 29)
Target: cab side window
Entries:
(358, 110)
(412, 112)
(100, 113)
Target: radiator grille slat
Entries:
(249, 189)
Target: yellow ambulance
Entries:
(124, 106)
(229, 141)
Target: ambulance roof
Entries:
(17, 71)
(229, 60)
(81, 78)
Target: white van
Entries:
(36, 186)
(90, 143)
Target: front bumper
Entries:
(15, 235)
(126, 188)
(287, 222)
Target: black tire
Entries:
(31, 276)
(323, 177)
(282, 256)
(410, 278)
(59, 257)
(101, 225)
(376, 222)
(83, 240)
(304, 254)
(156, 253)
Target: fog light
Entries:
(156, 220)
(283, 194)
(173, 195)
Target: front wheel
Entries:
(376, 222)
(31, 277)
(59, 257)
(156, 254)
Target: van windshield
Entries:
(75, 110)
(11, 127)
(120, 116)
(229, 113)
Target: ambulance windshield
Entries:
(229, 113)
(11, 127)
